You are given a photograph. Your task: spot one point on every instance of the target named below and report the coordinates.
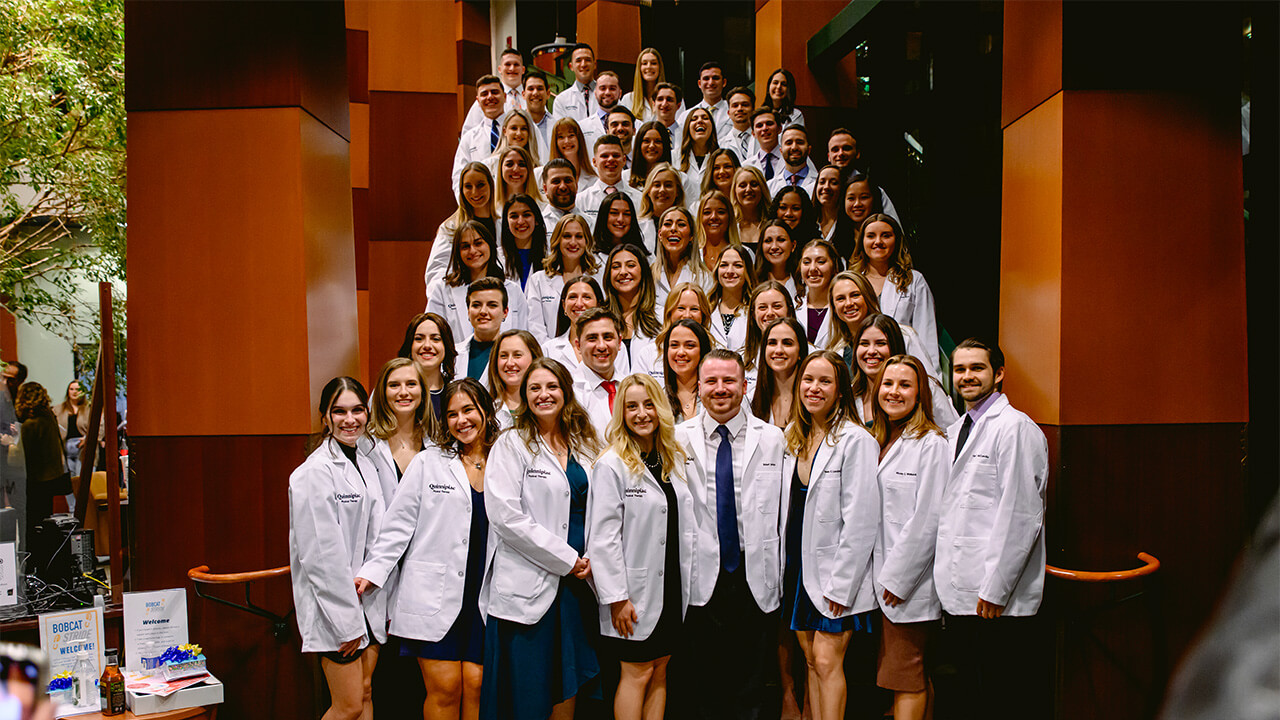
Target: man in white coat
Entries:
(608, 160)
(482, 139)
(511, 71)
(798, 169)
(734, 469)
(578, 100)
(598, 343)
(711, 83)
(989, 566)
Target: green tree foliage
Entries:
(62, 156)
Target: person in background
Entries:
(480, 140)
(770, 300)
(487, 308)
(842, 152)
(793, 207)
(913, 470)
(722, 164)
(560, 187)
(717, 227)
(514, 167)
(882, 255)
(697, 143)
(652, 147)
(474, 255)
(819, 265)
(400, 422)
(511, 70)
(513, 352)
(631, 295)
(335, 512)
(852, 299)
(711, 83)
(475, 202)
(778, 257)
(539, 655)
(781, 98)
(667, 100)
(684, 343)
(42, 451)
(524, 238)
(570, 144)
(639, 491)
(644, 87)
(622, 125)
(429, 343)
(735, 278)
(74, 404)
(535, 94)
(599, 340)
(990, 558)
(662, 191)
(677, 259)
(742, 102)
(607, 92)
(618, 225)
(608, 160)
(577, 101)
(571, 254)
(860, 200)
(782, 349)
(686, 301)
(578, 296)
(436, 531)
(750, 204)
(798, 170)
(764, 130)
(827, 201)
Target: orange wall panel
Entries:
(1153, 260)
(1032, 56)
(217, 273)
(360, 145)
(1031, 261)
(768, 44)
(357, 12)
(412, 46)
(362, 308)
(398, 296)
(613, 30)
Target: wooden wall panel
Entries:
(612, 28)
(360, 222)
(397, 296)
(358, 66)
(409, 192)
(217, 272)
(8, 335)
(233, 496)
(769, 44)
(357, 13)
(285, 54)
(1137, 241)
(1032, 56)
(406, 52)
(359, 145)
(1031, 310)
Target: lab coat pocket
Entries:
(968, 564)
(637, 579)
(422, 588)
(516, 577)
(899, 501)
(770, 513)
(981, 491)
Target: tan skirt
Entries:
(902, 648)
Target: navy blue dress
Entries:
(465, 639)
(797, 609)
(528, 669)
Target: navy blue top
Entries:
(577, 506)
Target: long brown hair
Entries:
(897, 346)
(755, 333)
(899, 264)
(920, 422)
(328, 396)
(530, 344)
(574, 423)
(766, 385)
(802, 425)
(841, 333)
(484, 402)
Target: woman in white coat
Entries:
(881, 254)
(639, 493)
(686, 301)
(684, 344)
(878, 338)
(576, 297)
(778, 258)
(513, 352)
(335, 511)
(852, 299)
(782, 349)
(438, 525)
(735, 278)
(400, 420)
(831, 528)
(538, 650)
(428, 342)
(914, 467)
(475, 255)
(475, 202)
(819, 265)
(676, 259)
(571, 254)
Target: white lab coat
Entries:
(450, 303)
(542, 299)
(915, 308)
(991, 531)
(762, 511)
(429, 525)
(589, 199)
(841, 515)
(916, 347)
(824, 330)
(736, 338)
(527, 499)
(335, 512)
(438, 260)
(571, 105)
(662, 285)
(627, 541)
(473, 146)
(646, 357)
(513, 100)
(562, 350)
(463, 359)
(912, 476)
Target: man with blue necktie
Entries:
(482, 139)
(764, 128)
(734, 469)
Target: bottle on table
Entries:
(111, 687)
(84, 680)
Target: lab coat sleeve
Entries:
(923, 318)
(510, 520)
(860, 513)
(399, 522)
(1024, 462)
(911, 558)
(944, 413)
(436, 298)
(604, 531)
(538, 285)
(438, 260)
(322, 554)
(517, 306)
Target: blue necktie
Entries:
(726, 507)
(493, 135)
(768, 166)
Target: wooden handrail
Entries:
(201, 574)
(1150, 565)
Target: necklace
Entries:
(479, 464)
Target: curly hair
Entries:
(32, 401)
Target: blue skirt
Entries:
(528, 669)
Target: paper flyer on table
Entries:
(144, 683)
(159, 616)
(62, 634)
(8, 574)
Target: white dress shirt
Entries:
(738, 445)
(782, 178)
(589, 387)
(758, 160)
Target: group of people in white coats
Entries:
(673, 416)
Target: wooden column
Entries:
(612, 28)
(826, 95)
(243, 302)
(1122, 311)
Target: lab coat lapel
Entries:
(458, 472)
(698, 448)
(350, 473)
(975, 435)
(889, 298)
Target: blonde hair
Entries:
(500, 185)
(763, 208)
(499, 391)
(731, 234)
(465, 212)
(382, 419)
(584, 155)
(553, 263)
(640, 98)
(624, 444)
(673, 299)
(801, 426)
(920, 422)
(530, 126)
(841, 333)
(646, 205)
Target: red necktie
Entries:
(795, 180)
(610, 387)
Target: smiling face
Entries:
(347, 418)
(607, 92)
(578, 300)
(598, 344)
(747, 189)
(827, 186)
(463, 419)
(567, 142)
(621, 125)
(624, 274)
(474, 252)
(514, 359)
(521, 221)
(711, 83)
(778, 88)
(639, 413)
(404, 392)
(816, 268)
(722, 173)
(511, 70)
(795, 148)
(665, 106)
(842, 150)
(516, 131)
(847, 302)
(74, 391)
(872, 350)
(428, 346)
(740, 107)
(790, 210)
(608, 161)
(583, 64)
(544, 396)
(700, 124)
(818, 390)
(662, 191)
(535, 95)
(486, 311)
(683, 352)
(720, 387)
(715, 219)
(731, 271)
(649, 67)
(782, 350)
(687, 307)
(619, 219)
(675, 234)
(515, 172)
(560, 187)
(879, 242)
(475, 189)
(573, 242)
(858, 201)
(651, 146)
(898, 392)
(776, 246)
(769, 306)
(973, 376)
(491, 99)
(765, 129)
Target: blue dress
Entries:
(528, 669)
(797, 608)
(465, 639)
